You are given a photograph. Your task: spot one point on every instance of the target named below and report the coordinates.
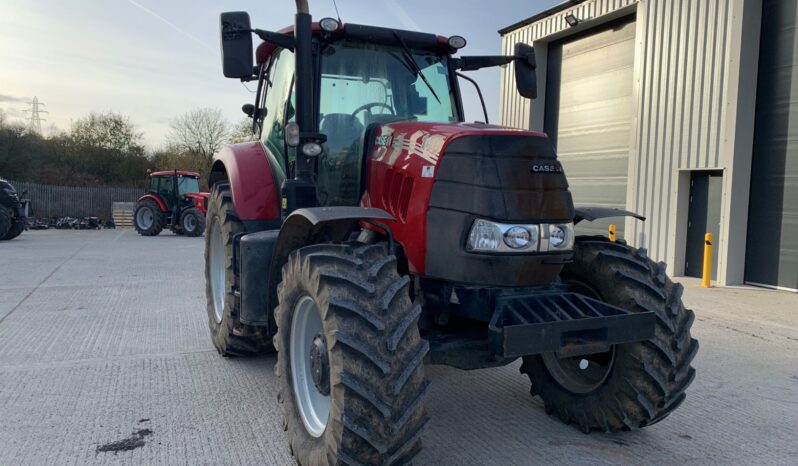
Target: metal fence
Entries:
(62, 201)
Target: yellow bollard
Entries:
(611, 236)
(705, 281)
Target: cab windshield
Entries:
(364, 85)
(187, 184)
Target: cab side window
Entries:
(277, 89)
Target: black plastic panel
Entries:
(255, 255)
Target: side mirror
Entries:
(236, 44)
(525, 77)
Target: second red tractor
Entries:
(173, 201)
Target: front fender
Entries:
(310, 226)
(255, 178)
(593, 213)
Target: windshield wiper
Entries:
(413, 66)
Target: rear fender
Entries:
(157, 200)
(255, 178)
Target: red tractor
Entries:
(173, 201)
(370, 230)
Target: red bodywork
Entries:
(402, 163)
(200, 201)
(252, 183)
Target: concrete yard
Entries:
(103, 334)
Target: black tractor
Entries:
(13, 211)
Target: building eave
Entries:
(543, 14)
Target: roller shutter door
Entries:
(772, 252)
(589, 112)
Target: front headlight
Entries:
(487, 236)
(560, 237)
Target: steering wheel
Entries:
(367, 108)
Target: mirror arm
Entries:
(280, 40)
(474, 63)
(479, 92)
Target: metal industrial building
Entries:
(685, 111)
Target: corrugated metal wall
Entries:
(60, 201)
(680, 65)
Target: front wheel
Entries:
(350, 356)
(192, 222)
(633, 385)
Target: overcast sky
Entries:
(153, 60)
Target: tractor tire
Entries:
(148, 218)
(192, 222)
(17, 227)
(6, 222)
(349, 357)
(228, 334)
(634, 384)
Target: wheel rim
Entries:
(144, 218)
(217, 270)
(581, 374)
(189, 223)
(309, 366)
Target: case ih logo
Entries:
(545, 168)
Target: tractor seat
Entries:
(342, 130)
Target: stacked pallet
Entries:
(123, 214)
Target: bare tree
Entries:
(202, 131)
(242, 132)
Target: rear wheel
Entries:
(6, 221)
(17, 227)
(350, 357)
(634, 384)
(148, 218)
(228, 334)
(192, 222)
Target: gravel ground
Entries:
(105, 359)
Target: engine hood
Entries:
(427, 140)
(435, 179)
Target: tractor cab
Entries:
(361, 85)
(166, 183)
(358, 79)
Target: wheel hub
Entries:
(309, 366)
(320, 365)
(217, 270)
(144, 217)
(581, 374)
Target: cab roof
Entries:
(372, 34)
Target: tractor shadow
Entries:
(487, 417)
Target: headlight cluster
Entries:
(487, 236)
